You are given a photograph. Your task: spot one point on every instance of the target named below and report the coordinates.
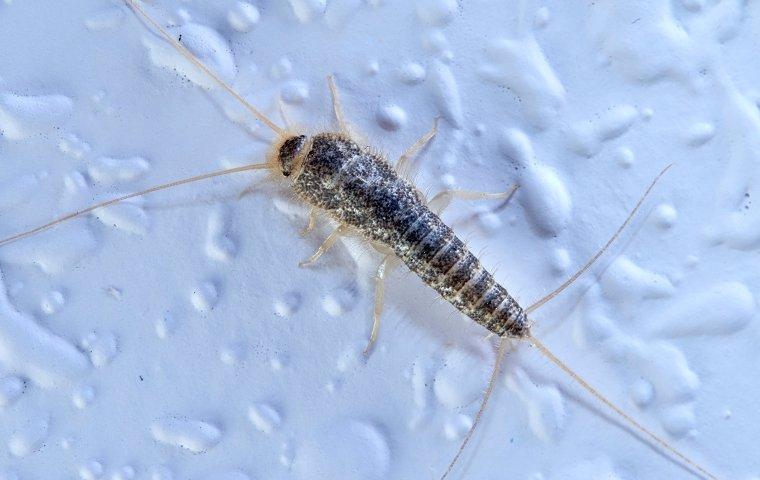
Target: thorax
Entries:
(356, 186)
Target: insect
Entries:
(303, 159)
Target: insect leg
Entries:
(442, 199)
(326, 245)
(312, 222)
(253, 186)
(388, 263)
(403, 166)
(336, 104)
(246, 191)
(283, 116)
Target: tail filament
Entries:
(689, 463)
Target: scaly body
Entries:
(358, 188)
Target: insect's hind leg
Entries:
(312, 222)
(326, 245)
(442, 199)
(388, 263)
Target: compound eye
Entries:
(288, 152)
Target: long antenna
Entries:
(163, 186)
(193, 59)
(598, 254)
(689, 463)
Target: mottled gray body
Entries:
(360, 189)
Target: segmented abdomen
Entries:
(432, 250)
(360, 189)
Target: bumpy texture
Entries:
(359, 188)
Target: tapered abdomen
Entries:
(360, 189)
(432, 250)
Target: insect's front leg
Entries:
(326, 245)
(283, 115)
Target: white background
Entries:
(175, 337)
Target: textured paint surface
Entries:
(175, 337)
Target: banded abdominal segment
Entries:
(443, 261)
(359, 189)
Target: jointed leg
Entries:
(312, 222)
(336, 104)
(246, 191)
(442, 199)
(402, 166)
(382, 271)
(281, 109)
(326, 245)
(690, 464)
(252, 188)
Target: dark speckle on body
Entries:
(360, 189)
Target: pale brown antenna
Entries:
(163, 186)
(601, 252)
(195, 61)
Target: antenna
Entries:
(193, 59)
(163, 186)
